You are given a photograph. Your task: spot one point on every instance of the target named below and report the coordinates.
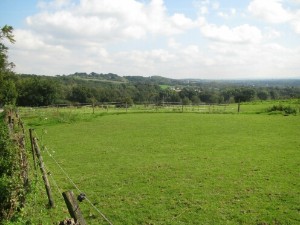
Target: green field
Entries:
(173, 168)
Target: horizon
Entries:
(192, 39)
(199, 79)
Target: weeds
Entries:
(287, 110)
(11, 187)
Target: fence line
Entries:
(74, 185)
(141, 107)
(77, 188)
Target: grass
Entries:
(164, 86)
(175, 168)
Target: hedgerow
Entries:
(11, 187)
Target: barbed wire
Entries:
(72, 182)
(53, 180)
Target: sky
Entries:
(201, 39)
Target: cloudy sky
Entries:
(205, 39)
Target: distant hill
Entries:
(154, 80)
(248, 82)
(159, 80)
(110, 77)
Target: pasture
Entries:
(171, 168)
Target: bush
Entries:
(284, 109)
(11, 187)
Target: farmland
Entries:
(171, 168)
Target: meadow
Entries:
(170, 168)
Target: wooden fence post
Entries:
(45, 178)
(32, 148)
(73, 207)
(23, 161)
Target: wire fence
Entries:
(119, 107)
(65, 174)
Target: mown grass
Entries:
(176, 168)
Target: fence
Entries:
(68, 196)
(115, 107)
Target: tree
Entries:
(37, 91)
(5, 33)
(195, 99)
(186, 101)
(244, 95)
(8, 91)
(263, 94)
(80, 94)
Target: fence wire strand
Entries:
(72, 182)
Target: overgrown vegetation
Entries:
(11, 186)
(283, 109)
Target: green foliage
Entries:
(244, 95)
(34, 91)
(5, 33)
(96, 88)
(10, 183)
(284, 109)
(263, 94)
(80, 94)
(8, 93)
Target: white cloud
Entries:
(110, 20)
(203, 10)
(272, 33)
(268, 60)
(239, 34)
(224, 15)
(296, 1)
(295, 23)
(138, 37)
(215, 5)
(181, 22)
(172, 43)
(271, 11)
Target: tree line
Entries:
(34, 90)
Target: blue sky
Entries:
(205, 39)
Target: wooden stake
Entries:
(73, 207)
(45, 178)
(32, 148)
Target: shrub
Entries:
(284, 109)
(11, 187)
